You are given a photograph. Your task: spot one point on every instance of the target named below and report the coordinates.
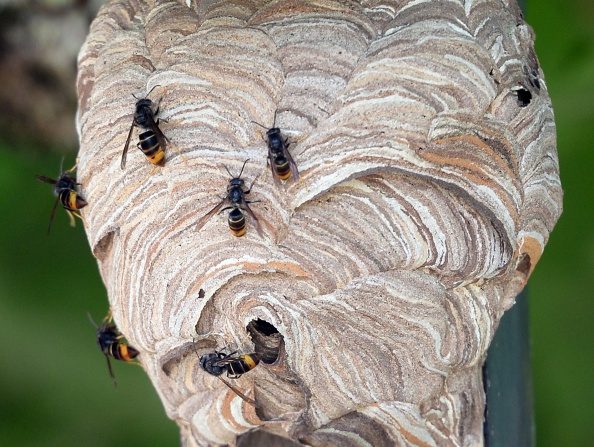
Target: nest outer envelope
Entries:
(427, 193)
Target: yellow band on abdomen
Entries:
(249, 361)
(157, 157)
(124, 353)
(72, 200)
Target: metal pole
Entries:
(507, 376)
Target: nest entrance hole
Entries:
(267, 339)
(524, 97)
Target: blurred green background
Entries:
(561, 289)
(54, 385)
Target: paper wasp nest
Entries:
(425, 140)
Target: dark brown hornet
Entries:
(237, 203)
(112, 343)
(216, 363)
(152, 141)
(281, 162)
(66, 190)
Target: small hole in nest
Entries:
(102, 248)
(267, 340)
(524, 97)
(524, 264)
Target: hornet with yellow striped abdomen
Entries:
(237, 203)
(152, 141)
(113, 344)
(281, 162)
(216, 363)
(66, 190)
